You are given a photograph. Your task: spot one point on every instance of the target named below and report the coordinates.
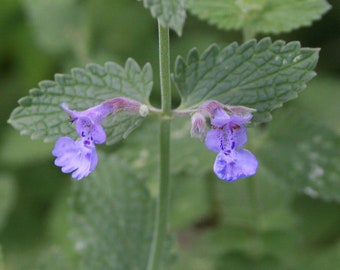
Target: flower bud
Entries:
(198, 125)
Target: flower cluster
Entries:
(79, 157)
(227, 136)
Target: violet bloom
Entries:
(76, 157)
(88, 122)
(79, 157)
(227, 137)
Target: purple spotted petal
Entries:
(239, 134)
(213, 140)
(88, 122)
(239, 164)
(74, 156)
(90, 131)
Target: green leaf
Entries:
(170, 13)
(40, 115)
(261, 75)
(303, 154)
(112, 218)
(259, 16)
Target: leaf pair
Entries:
(261, 75)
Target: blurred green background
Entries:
(42, 37)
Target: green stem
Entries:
(164, 66)
(163, 190)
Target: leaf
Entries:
(40, 115)
(170, 13)
(259, 16)
(303, 155)
(261, 75)
(113, 218)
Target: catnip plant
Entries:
(223, 92)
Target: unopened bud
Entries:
(198, 125)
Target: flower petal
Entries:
(221, 118)
(90, 131)
(239, 164)
(75, 156)
(239, 135)
(213, 140)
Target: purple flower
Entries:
(79, 157)
(227, 137)
(88, 122)
(76, 157)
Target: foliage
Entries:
(261, 75)
(118, 236)
(41, 116)
(170, 13)
(259, 16)
(285, 217)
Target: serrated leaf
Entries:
(259, 16)
(304, 155)
(258, 74)
(40, 115)
(113, 218)
(170, 13)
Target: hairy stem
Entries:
(163, 189)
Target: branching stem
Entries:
(163, 190)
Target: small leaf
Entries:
(261, 75)
(170, 13)
(113, 218)
(303, 154)
(41, 116)
(259, 16)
